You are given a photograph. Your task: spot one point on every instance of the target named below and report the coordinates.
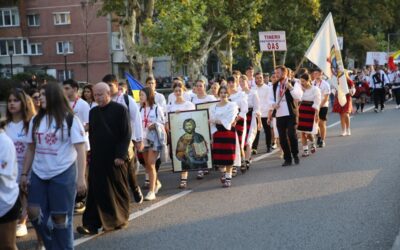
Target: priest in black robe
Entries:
(107, 203)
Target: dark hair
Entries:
(71, 82)
(27, 107)
(149, 78)
(230, 79)
(317, 70)
(109, 78)
(259, 73)
(189, 120)
(249, 68)
(221, 88)
(283, 69)
(150, 96)
(305, 76)
(123, 84)
(90, 88)
(57, 108)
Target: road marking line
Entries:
(139, 213)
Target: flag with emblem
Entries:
(324, 52)
(134, 85)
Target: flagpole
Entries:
(299, 65)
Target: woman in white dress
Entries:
(179, 105)
(253, 117)
(308, 114)
(240, 98)
(225, 146)
(202, 97)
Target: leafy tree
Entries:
(131, 16)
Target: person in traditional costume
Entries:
(107, 204)
(202, 97)
(154, 135)
(225, 146)
(240, 98)
(345, 110)
(362, 91)
(179, 105)
(253, 117)
(56, 154)
(285, 95)
(308, 114)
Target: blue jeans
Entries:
(55, 196)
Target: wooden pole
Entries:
(273, 58)
(299, 65)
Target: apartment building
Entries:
(64, 38)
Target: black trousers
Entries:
(287, 136)
(268, 134)
(379, 98)
(396, 93)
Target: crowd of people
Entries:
(64, 149)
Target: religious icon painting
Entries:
(205, 105)
(190, 140)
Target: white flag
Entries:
(324, 52)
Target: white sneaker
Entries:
(150, 196)
(22, 230)
(158, 186)
(348, 132)
(398, 107)
(344, 132)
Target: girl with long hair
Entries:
(20, 110)
(87, 95)
(56, 155)
(153, 121)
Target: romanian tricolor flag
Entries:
(134, 85)
(394, 57)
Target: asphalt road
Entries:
(346, 196)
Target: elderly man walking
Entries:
(107, 203)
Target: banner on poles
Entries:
(376, 58)
(272, 40)
(324, 52)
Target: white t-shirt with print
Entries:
(81, 109)
(325, 89)
(55, 153)
(8, 174)
(18, 135)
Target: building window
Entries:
(63, 75)
(36, 49)
(9, 17)
(65, 47)
(33, 20)
(117, 43)
(18, 47)
(62, 18)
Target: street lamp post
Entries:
(11, 53)
(65, 65)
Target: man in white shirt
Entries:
(263, 92)
(396, 86)
(379, 81)
(323, 110)
(285, 95)
(136, 126)
(250, 77)
(81, 109)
